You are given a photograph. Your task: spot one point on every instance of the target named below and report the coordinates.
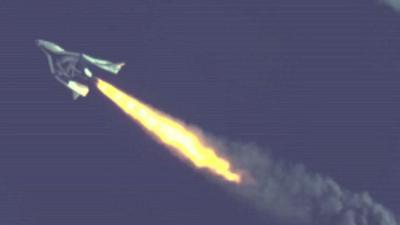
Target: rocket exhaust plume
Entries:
(287, 193)
(172, 133)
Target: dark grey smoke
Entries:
(293, 195)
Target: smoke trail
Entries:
(293, 195)
(395, 4)
(288, 193)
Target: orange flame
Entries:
(171, 132)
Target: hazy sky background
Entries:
(313, 82)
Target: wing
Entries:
(104, 64)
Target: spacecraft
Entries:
(72, 69)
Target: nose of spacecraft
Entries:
(41, 44)
(48, 46)
(38, 42)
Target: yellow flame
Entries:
(171, 132)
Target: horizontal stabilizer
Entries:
(78, 88)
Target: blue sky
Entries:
(312, 83)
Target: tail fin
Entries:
(75, 95)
